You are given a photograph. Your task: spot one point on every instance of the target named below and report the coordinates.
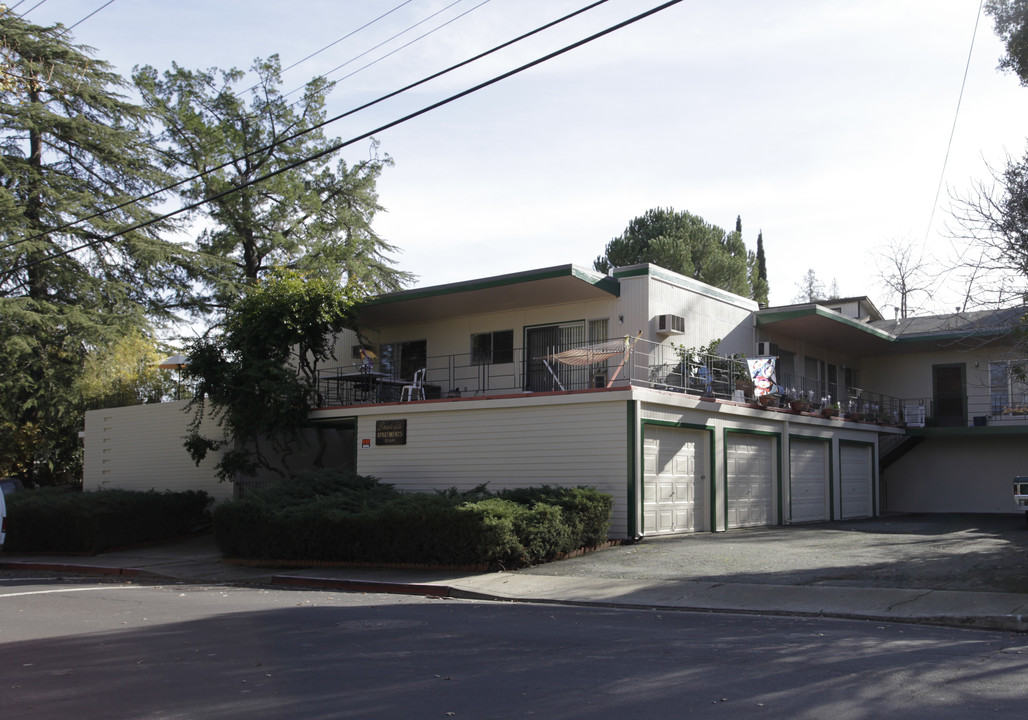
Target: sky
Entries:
(823, 124)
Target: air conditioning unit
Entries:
(670, 324)
(767, 349)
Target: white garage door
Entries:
(674, 474)
(808, 480)
(855, 478)
(750, 481)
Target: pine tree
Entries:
(71, 147)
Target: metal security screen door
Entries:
(547, 340)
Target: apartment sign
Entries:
(391, 432)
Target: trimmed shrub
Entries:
(92, 522)
(343, 517)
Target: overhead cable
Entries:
(338, 146)
(294, 136)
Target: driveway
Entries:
(982, 553)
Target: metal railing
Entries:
(967, 410)
(639, 363)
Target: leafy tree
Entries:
(1011, 23)
(684, 243)
(315, 217)
(71, 148)
(126, 372)
(259, 375)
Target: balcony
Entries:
(585, 366)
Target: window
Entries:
(492, 348)
(403, 359)
(1008, 389)
(597, 330)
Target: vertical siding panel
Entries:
(140, 448)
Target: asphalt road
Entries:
(979, 553)
(85, 651)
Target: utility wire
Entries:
(75, 25)
(393, 52)
(390, 39)
(953, 129)
(320, 125)
(381, 128)
(336, 42)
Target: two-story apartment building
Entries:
(564, 376)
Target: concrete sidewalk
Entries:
(675, 573)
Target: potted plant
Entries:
(828, 408)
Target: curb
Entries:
(71, 567)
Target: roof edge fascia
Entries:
(601, 282)
(768, 316)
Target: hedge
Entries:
(91, 522)
(344, 517)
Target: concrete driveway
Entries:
(979, 553)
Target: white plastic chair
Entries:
(416, 390)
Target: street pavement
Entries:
(955, 570)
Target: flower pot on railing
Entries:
(766, 401)
(799, 406)
(830, 412)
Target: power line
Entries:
(402, 47)
(336, 42)
(341, 145)
(390, 39)
(75, 25)
(953, 129)
(294, 136)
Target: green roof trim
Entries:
(601, 282)
(767, 317)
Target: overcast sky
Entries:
(823, 123)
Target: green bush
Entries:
(92, 522)
(332, 516)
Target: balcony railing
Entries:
(968, 410)
(570, 367)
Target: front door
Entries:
(948, 395)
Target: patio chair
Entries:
(416, 390)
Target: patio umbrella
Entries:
(175, 362)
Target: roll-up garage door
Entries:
(750, 480)
(855, 479)
(674, 475)
(808, 480)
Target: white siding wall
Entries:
(957, 474)
(564, 440)
(140, 448)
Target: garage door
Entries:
(808, 480)
(855, 478)
(750, 479)
(674, 474)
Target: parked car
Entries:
(1021, 494)
(11, 484)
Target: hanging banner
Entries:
(762, 372)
